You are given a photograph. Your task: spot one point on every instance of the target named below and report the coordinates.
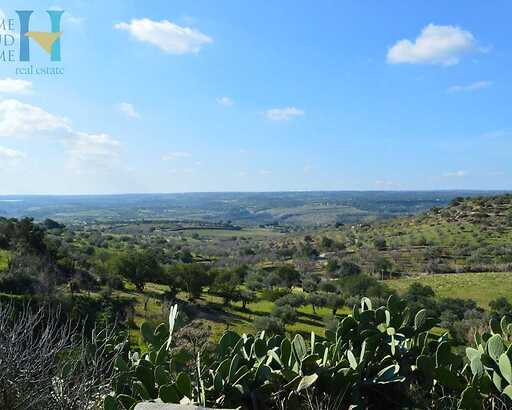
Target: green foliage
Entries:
(501, 307)
(270, 325)
(225, 283)
(139, 268)
(189, 277)
(371, 356)
(359, 285)
(288, 276)
(381, 357)
(490, 370)
(285, 312)
(292, 299)
(349, 269)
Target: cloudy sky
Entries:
(174, 96)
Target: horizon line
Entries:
(262, 192)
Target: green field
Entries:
(481, 287)
(253, 233)
(210, 309)
(4, 259)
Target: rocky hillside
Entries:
(470, 234)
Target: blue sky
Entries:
(175, 96)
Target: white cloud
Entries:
(478, 85)
(166, 35)
(283, 114)
(443, 45)
(457, 174)
(128, 109)
(171, 156)
(225, 101)
(8, 153)
(264, 172)
(88, 152)
(15, 86)
(85, 151)
(18, 119)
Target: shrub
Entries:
(380, 244)
(291, 299)
(50, 363)
(501, 307)
(273, 294)
(286, 313)
(359, 285)
(349, 269)
(271, 325)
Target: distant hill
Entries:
(470, 234)
(287, 208)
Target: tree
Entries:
(326, 243)
(254, 280)
(271, 280)
(349, 269)
(286, 313)
(271, 325)
(139, 268)
(291, 299)
(288, 276)
(332, 265)
(501, 307)
(309, 284)
(247, 296)
(419, 296)
(242, 271)
(363, 285)
(316, 299)
(380, 244)
(225, 284)
(334, 301)
(185, 256)
(308, 251)
(328, 286)
(417, 291)
(383, 266)
(190, 277)
(51, 224)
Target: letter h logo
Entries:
(49, 41)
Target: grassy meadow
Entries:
(4, 259)
(481, 287)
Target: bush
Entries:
(380, 244)
(292, 299)
(271, 325)
(349, 269)
(360, 285)
(50, 363)
(387, 357)
(328, 286)
(286, 313)
(332, 265)
(18, 284)
(273, 294)
(501, 307)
